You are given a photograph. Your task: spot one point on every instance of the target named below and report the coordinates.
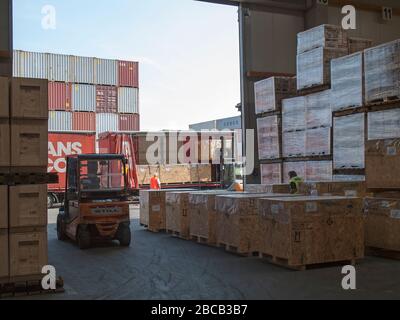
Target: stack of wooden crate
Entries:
(23, 216)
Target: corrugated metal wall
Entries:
(59, 96)
(129, 122)
(106, 99)
(83, 70)
(59, 68)
(128, 100)
(107, 122)
(84, 122)
(60, 121)
(84, 97)
(106, 71)
(30, 65)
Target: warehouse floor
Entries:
(158, 266)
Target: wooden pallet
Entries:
(308, 158)
(176, 234)
(313, 89)
(384, 101)
(28, 288)
(200, 240)
(235, 250)
(283, 262)
(350, 171)
(349, 111)
(269, 114)
(28, 178)
(383, 253)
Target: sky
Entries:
(188, 50)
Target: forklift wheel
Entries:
(124, 236)
(83, 238)
(60, 229)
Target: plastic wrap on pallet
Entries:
(347, 82)
(358, 44)
(348, 142)
(293, 114)
(382, 72)
(319, 171)
(298, 167)
(268, 137)
(314, 67)
(318, 142)
(271, 173)
(270, 92)
(345, 177)
(328, 36)
(294, 144)
(318, 110)
(384, 124)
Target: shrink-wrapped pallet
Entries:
(358, 44)
(318, 110)
(382, 72)
(319, 171)
(348, 177)
(271, 173)
(314, 67)
(270, 92)
(294, 114)
(323, 36)
(299, 167)
(294, 144)
(268, 129)
(318, 142)
(384, 124)
(349, 141)
(347, 188)
(347, 82)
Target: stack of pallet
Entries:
(23, 215)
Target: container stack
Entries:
(23, 215)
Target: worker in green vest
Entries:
(295, 182)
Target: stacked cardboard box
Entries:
(269, 133)
(301, 231)
(23, 217)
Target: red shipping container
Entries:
(129, 122)
(60, 96)
(128, 75)
(64, 144)
(84, 121)
(106, 99)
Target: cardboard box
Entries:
(383, 164)
(28, 251)
(310, 230)
(4, 268)
(3, 207)
(4, 143)
(28, 205)
(203, 217)
(29, 139)
(334, 188)
(4, 98)
(29, 98)
(382, 223)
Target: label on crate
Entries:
(311, 207)
(395, 214)
(391, 151)
(156, 208)
(385, 204)
(350, 193)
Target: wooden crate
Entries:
(3, 207)
(383, 164)
(334, 188)
(382, 223)
(268, 188)
(303, 231)
(4, 98)
(29, 140)
(4, 268)
(203, 216)
(29, 99)
(28, 206)
(200, 173)
(4, 143)
(28, 252)
(177, 217)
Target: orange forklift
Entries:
(95, 205)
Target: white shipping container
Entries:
(60, 68)
(30, 64)
(60, 121)
(107, 122)
(83, 70)
(128, 100)
(84, 97)
(106, 72)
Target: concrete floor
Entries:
(158, 266)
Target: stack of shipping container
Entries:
(86, 97)
(305, 137)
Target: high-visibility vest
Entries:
(296, 181)
(155, 184)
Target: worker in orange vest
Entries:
(155, 183)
